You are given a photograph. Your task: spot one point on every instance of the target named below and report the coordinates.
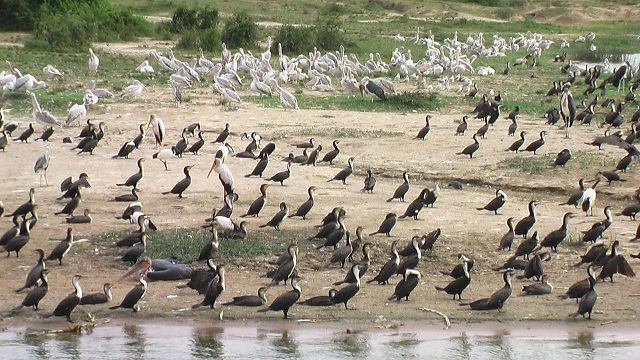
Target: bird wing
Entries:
(623, 267)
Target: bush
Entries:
(294, 39)
(66, 23)
(185, 18)
(18, 15)
(329, 33)
(240, 31)
(210, 39)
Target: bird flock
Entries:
(450, 62)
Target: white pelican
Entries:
(158, 128)
(286, 97)
(229, 94)
(51, 72)
(165, 154)
(145, 67)
(42, 116)
(100, 93)
(134, 89)
(77, 112)
(592, 48)
(90, 98)
(27, 82)
(94, 62)
(42, 164)
(224, 174)
(162, 60)
(203, 61)
(259, 86)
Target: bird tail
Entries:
(563, 297)
(445, 273)
(373, 233)
(114, 307)
(439, 288)
(480, 208)
(196, 306)
(574, 314)
(319, 247)
(22, 288)
(263, 310)
(121, 184)
(184, 286)
(390, 199)
(402, 216)
(338, 283)
(393, 297)
(372, 280)
(263, 225)
(17, 307)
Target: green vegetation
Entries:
(240, 31)
(401, 102)
(540, 164)
(185, 244)
(335, 133)
(66, 24)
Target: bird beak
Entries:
(149, 123)
(211, 170)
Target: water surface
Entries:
(291, 341)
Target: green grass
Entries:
(185, 244)
(401, 102)
(337, 133)
(541, 164)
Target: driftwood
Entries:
(444, 317)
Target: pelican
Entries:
(224, 174)
(77, 112)
(162, 60)
(100, 93)
(158, 128)
(90, 98)
(42, 116)
(27, 82)
(286, 97)
(229, 94)
(51, 72)
(145, 67)
(42, 164)
(134, 89)
(259, 86)
(93, 61)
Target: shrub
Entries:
(67, 23)
(210, 39)
(294, 39)
(185, 18)
(329, 33)
(240, 31)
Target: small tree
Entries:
(240, 31)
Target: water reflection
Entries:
(136, 339)
(285, 345)
(69, 345)
(37, 344)
(498, 346)
(353, 344)
(231, 342)
(207, 343)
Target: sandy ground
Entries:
(464, 229)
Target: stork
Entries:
(567, 108)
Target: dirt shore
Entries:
(464, 229)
